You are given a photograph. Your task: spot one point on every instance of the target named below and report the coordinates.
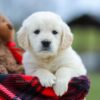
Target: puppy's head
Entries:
(45, 34)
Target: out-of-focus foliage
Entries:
(94, 93)
(86, 39)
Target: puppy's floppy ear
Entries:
(22, 37)
(67, 37)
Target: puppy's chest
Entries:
(52, 66)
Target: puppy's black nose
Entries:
(46, 44)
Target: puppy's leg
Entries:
(63, 76)
(46, 78)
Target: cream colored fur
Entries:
(54, 67)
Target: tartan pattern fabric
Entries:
(24, 87)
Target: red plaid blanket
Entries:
(23, 87)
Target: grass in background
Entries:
(86, 39)
(94, 93)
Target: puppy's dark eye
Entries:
(37, 31)
(54, 32)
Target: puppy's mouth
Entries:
(45, 50)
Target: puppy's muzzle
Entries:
(45, 45)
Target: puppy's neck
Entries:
(45, 60)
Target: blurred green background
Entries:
(94, 93)
(88, 40)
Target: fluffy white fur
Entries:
(56, 66)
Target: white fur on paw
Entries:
(46, 79)
(60, 87)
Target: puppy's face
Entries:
(44, 34)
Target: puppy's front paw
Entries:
(60, 87)
(46, 78)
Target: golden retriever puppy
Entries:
(49, 55)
